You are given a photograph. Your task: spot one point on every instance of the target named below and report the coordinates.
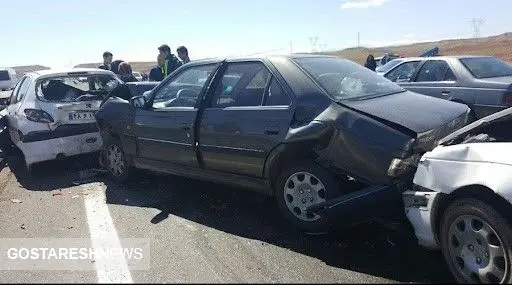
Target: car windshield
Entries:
(4, 75)
(344, 79)
(487, 67)
(75, 88)
(388, 66)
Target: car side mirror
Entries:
(138, 101)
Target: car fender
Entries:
(449, 168)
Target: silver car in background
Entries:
(484, 83)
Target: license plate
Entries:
(80, 116)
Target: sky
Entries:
(63, 33)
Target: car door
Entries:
(14, 116)
(249, 113)
(434, 78)
(403, 72)
(164, 129)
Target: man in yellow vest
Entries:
(171, 62)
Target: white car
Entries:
(51, 113)
(461, 200)
(137, 75)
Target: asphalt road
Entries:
(199, 232)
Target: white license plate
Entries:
(81, 116)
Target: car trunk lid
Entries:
(72, 113)
(426, 118)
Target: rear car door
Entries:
(434, 78)
(164, 129)
(249, 113)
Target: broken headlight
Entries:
(399, 166)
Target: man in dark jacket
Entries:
(107, 60)
(156, 73)
(171, 63)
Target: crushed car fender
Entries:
(448, 168)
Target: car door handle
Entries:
(445, 93)
(185, 127)
(272, 131)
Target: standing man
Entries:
(156, 73)
(107, 60)
(171, 63)
(183, 54)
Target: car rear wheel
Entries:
(476, 242)
(116, 161)
(302, 185)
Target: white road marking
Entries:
(104, 235)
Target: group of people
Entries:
(166, 64)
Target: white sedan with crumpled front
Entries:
(51, 113)
(461, 200)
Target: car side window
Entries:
(184, 89)
(404, 71)
(434, 70)
(23, 89)
(276, 96)
(14, 94)
(242, 84)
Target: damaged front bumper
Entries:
(420, 207)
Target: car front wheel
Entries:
(302, 185)
(476, 242)
(115, 161)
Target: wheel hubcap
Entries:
(115, 160)
(476, 250)
(302, 190)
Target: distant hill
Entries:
(499, 46)
(140, 66)
(20, 70)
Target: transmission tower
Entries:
(477, 25)
(313, 41)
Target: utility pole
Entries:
(477, 25)
(358, 39)
(291, 47)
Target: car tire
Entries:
(303, 184)
(115, 160)
(472, 255)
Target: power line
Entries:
(476, 23)
(313, 41)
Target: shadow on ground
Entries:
(51, 175)
(368, 248)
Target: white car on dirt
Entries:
(461, 200)
(51, 113)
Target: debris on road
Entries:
(59, 193)
(76, 196)
(16, 201)
(23, 226)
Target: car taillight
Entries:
(38, 116)
(507, 98)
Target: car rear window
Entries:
(4, 75)
(71, 88)
(487, 67)
(344, 79)
(388, 66)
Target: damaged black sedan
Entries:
(306, 129)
